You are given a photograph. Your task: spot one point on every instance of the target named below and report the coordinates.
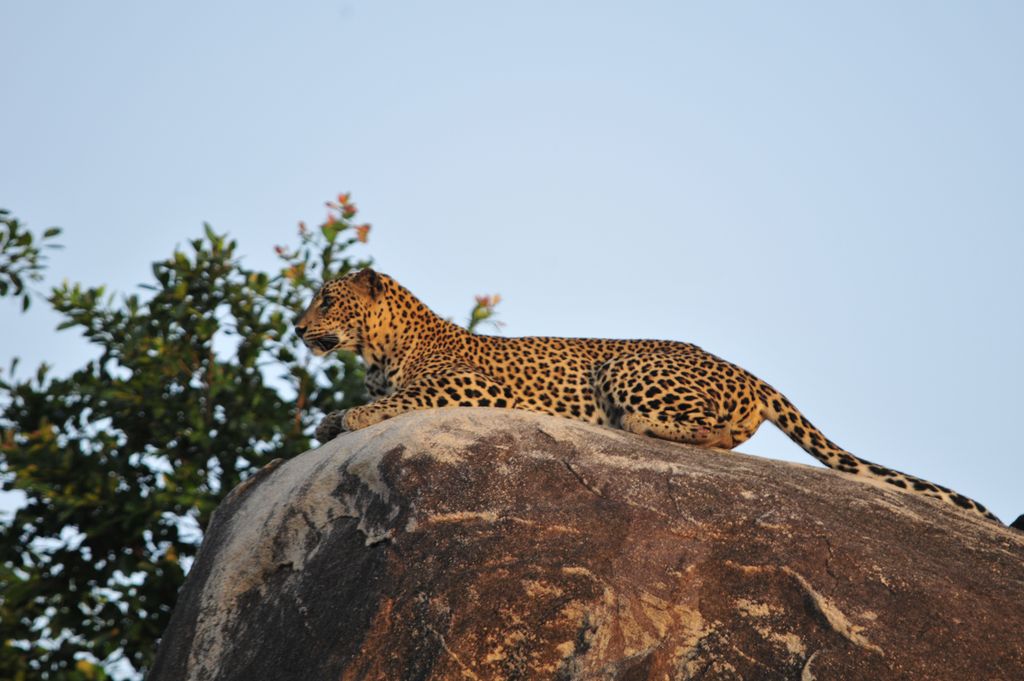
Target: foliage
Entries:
(21, 257)
(199, 382)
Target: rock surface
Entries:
(489, 544)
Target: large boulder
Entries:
(494, 544)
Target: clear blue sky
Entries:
(829, 194)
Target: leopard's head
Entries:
(336, 319)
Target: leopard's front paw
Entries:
(331, 426)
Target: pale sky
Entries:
(828, 194)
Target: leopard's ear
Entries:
(369, 281)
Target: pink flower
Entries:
(488, 301)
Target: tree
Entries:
(198, 383)
(21, 257)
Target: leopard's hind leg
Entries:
(657, 396)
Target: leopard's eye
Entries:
(325, 303)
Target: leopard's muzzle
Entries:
(324, 343)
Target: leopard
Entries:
(415, 359)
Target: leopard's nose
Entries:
(300, 331)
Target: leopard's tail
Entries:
(777, 409)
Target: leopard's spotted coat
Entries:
(664, 389)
